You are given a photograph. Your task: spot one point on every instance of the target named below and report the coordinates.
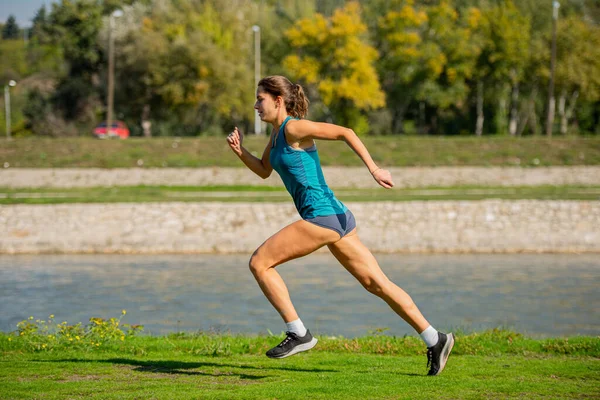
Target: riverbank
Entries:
(392, 150)
(485, 226)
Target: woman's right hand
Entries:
(235, 139)
(383, 177)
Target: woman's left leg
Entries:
(295, 240)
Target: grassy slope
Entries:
(140, 194)
(493, 364)
(213, 151)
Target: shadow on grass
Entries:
(182, 367)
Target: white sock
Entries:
(430, 336)
(297, 327)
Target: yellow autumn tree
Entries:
(333, 57)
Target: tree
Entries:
(333, 58)
(13, 61)
(188, 63)
(428, 55)
(450, 54)
(10, 30)
(74, 26)
(502, 62)
(400, 35)
(578, 66)
(40, 24)
(274, 21)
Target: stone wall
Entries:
(211, 227)
(337, 177)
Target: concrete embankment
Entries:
(212, 227)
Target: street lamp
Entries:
(551, 101)
(11, 83)
(256, 30)
(111, 70)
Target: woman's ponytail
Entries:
(299, 108)
(296, 102)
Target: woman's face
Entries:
(266, 105)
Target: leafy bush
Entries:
(42, 335)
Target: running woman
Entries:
(326, 221)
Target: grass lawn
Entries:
(214, 152)
(489, 365)
(140, 194)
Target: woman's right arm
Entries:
(260, 166)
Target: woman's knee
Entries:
(378, 287)
(257, 264)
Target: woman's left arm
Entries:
(304, 129)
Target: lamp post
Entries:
(256, 29)
(11, 83)
(551, 100)
(111, 70)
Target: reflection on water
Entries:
(541, 295)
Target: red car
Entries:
(118, 129)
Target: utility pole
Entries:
(551, 100)
(111, 71)
(256, 30)
(11, 83)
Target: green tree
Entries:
(428, 54)
(13, 60)
(10, 30)
(74, 26)
(400, 36)
(450, 51)
(333, 58)
(40, 24)
(501, 66)
(36, 68)
(577, 67)
(188, 62)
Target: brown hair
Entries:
(296, 102)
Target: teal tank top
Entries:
(302, 176)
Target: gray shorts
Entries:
(341, 223)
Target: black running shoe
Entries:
(292, 344)
(438, 355)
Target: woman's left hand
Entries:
(235, 140)
(383, 177)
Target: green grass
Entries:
(494, 364)
(213, 151)
(139, 194)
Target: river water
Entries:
(539, 295)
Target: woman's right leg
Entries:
(358, 260)
(295, 240)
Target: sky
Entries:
(23, 10)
